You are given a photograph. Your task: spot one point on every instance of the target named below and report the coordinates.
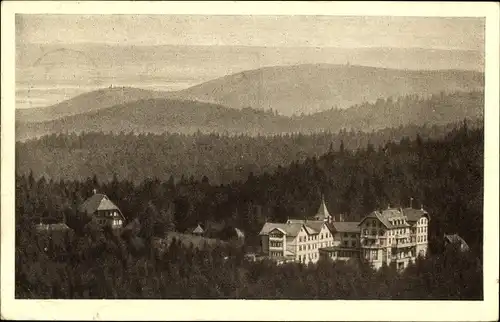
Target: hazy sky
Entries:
(276, 31)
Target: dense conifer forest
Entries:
(221, 158)
(444, 174)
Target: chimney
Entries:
(411, 202)
(95, 191)
(341, 217)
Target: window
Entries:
(345, 243)
(353, 243)
(276, 244)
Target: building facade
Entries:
(388, 236)
(102, 211)
(297, 240)
(345, 241)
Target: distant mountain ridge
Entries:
(288, 90)
(180, 116)
(87, 102)
(310, 89)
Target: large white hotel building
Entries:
(386, 236)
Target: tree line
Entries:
(100, 265)
(444, 176)
(221, 158)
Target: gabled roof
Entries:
(312, 227)
(291, 229)
(198, 230)
(388, 217)
(278, 229)
(377, 215)
(413, 215)
(316, 226)
(97, 202)
(310, 230)
(345, 226)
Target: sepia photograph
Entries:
(306, 157)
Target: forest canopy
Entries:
(444, 175)
(220, 158)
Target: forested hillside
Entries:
(445, 175)
(220, 158)
(436, 109)
(103, 267)
(312, 88)
(187, 117)
(90, 101)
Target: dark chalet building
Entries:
(102, 211)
